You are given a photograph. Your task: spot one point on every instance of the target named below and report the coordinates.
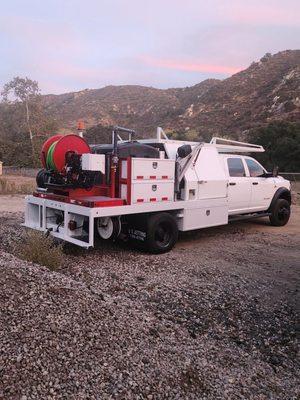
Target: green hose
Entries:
(49, 161)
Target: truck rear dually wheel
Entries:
(162, 233)
(280, 213)
(108, 227)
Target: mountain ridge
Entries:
(266, 91)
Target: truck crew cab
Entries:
(147, 191)
(251, 189)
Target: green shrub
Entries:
(40, 249)
(281, 141)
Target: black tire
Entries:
(162, 233)
(281, 212)
(41, 178)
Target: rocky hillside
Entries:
(266, 91)
(136, 106)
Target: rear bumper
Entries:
(53, 217)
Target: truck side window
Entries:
(254, 168)
(236, 167)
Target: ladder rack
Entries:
(233, 146)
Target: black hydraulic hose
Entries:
(115, 142)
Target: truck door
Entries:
(239, 186)
(262, 188)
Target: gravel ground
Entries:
(216, 318)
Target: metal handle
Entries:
(115, 140)
(232, 183)
(254, 183)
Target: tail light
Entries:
(72, 225)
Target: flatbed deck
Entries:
(40, 214)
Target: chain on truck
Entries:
(146, 191)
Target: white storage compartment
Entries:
(203, 217)
(124, 169)
(93, 162)
(152, 168)
(151, 180)
(154, 191)
(123, 193)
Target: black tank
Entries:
(127, 149)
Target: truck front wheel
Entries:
(162, 233)
(281, 212)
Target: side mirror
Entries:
(275, 171)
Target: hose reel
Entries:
(55, 149)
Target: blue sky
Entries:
(72, 45)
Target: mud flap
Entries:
(137, 228)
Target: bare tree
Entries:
(26, 92)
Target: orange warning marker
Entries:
(80, 125)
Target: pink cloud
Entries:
(189, 66)
(257, 13)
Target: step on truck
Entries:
(146, 191)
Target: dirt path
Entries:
(12, 203)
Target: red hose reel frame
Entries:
(76, 144)
(72, 143)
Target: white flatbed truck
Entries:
(188, 186)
